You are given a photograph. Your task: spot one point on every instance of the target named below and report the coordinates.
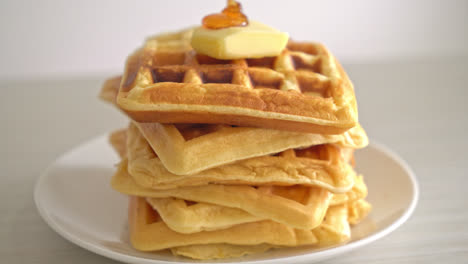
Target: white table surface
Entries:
(417, 109)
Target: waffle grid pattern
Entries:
(320, 165)
(297, 206)
(298, 68)
(303, 89)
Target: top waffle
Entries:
(190, 148)
(303, 89)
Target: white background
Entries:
(76, 38)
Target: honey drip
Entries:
(231, 16)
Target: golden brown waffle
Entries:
(116, 140)
(303, 89)
(109, 89)
(333, 230)
(358, 210)
(358, 192)
(186, 149)
(190, 148)
(148, 232)
(219, 251)
(322, 165)
(190, 217)
(296, 206)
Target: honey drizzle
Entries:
(231, 16)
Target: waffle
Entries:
(358, 192)
(303, 89)
(118, 140)
(190, 148)
(191, 217)
(296, 206)
(322, 165)
(358, 210)
(186, 149)
(110, 89)
(149, 233)
(335, 228)
(219, 251)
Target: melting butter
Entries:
(253, 41)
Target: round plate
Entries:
(75, 198)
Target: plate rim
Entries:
(319, 255)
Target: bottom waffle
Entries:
(189, 217)
(148, 232)
(358, 210)
(219, 251)
(297, 206)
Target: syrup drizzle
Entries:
(231, 16)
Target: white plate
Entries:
(74, 197)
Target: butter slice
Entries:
(253, 41)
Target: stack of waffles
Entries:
(224, 158)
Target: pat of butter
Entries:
(255, 40)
